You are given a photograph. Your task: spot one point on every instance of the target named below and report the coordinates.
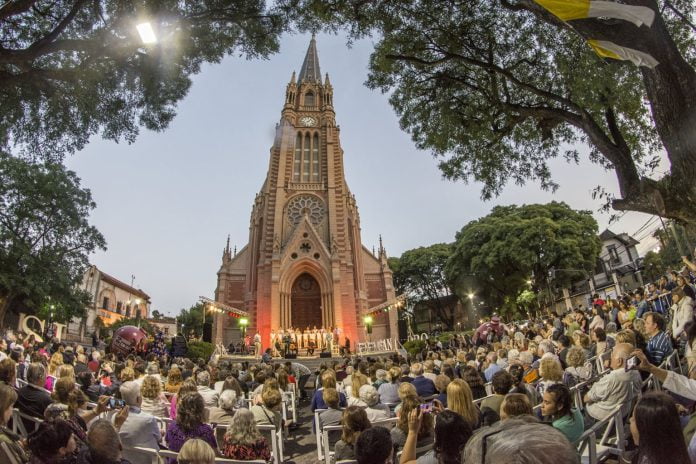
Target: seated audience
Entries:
(502, 383)
(210, 396)
(8, 396)
(472, 377)
(524, 438)
(557, 405)
(358, 379)
(400, 431)
(520, 386)
(461, 401)
(33, 399)
(656, 429)
(266, 412)
(374, 446)
(550, 371)
(389, 391)
(578, 370)
(328, 380)
(104, 444)
(659, 345)
(224, 411)
(424, 386)
(374, 410)
(333, 415)
(189, 423)
(441, 382)
(53, 443)
(154, 401)
(243, 440)
(196, 451)
(452, 433)
(514, 405)
(174, 380)
(187, 386)
(354, 421)
(140, 429)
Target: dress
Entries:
(176, 436)
(257, 450)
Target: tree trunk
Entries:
(4, 306)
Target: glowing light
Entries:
(470, 295)
(147, 34)
(243, 321)
(367, 320)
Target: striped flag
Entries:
(607, 49)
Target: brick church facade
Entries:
(305, 265)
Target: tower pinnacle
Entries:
(310, 71)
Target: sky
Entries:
(167, 202)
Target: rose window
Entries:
(303, 205)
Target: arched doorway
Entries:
(305, 302)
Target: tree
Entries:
(191, 319)
(497, 88)
(135, 322)
(70, 70)
(157, 315)
(420, 274)
(496, 256)
(45, 237)
(653, 267)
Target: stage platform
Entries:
(311, 362)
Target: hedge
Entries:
(198, 349)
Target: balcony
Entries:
(309, 186)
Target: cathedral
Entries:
(305, 265)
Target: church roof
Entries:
(310, 71)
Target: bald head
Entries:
(619, 355)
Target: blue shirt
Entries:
(490, 371)
(424, 386)
(318, 400)
(642, 308)
(658, 348)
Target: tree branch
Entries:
(12, 8)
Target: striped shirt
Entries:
(659, 347)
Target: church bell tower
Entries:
(305, 265)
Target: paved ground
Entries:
(301, 446)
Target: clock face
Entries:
(308, 121)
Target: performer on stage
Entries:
(286, 343)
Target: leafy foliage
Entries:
(497, 255)
(420, 273)
(191, 319)
(198, 349)
(413, 347)
(70, 70)
(495, 89)
(45, 237)
(135, 322)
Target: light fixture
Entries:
(243, 321)
(147, 34)
(367, 320)
(137, 301)
(470, 295)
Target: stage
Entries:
(311, 362)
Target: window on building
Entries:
(298, 158)
(315, 158)
(613, 254)
(309, 99)
(306, 165)
(105, 302)
(128, 311)
(166, 331)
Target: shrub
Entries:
(414, 347)
(198, 349)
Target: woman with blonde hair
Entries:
(578, 369)
(328, 380)
(127, 374)
(550, 371)
(174, 380)
(196, 451)
(461, 401)
(66, 370)
(53, 365)
(406, 390)
(243, 440)
(154, 401)
(400, 430)
(354, 422)
(353, 391)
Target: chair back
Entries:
(6, 455)
(330, 434)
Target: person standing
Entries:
(257, 344)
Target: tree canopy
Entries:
(45, 237)
(499, 256)
(191, 319)
(420, 273)
(495, 89)
(70, 70)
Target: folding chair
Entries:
(18, 423)
(326, 440)
(317, 433)
(153, 454)
(386, 423)
(7, 456)
(606, 356)
(613, 439)
(587, 446)
(276, 441)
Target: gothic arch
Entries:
(289, 275)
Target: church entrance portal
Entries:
(306, 302)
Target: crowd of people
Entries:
(507, 390)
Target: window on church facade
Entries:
(306, 166)
(309, 99)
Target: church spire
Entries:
(310, 71)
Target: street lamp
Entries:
(471, 296)
(147, 34)
(243, 322)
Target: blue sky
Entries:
(167, 202)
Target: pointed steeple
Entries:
(310, 71)
(292, 79)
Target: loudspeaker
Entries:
(208, 332)
(291, 356)
(324, 354)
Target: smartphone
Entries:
(115, 403)
(632, 363)
(426, 407)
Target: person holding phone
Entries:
(452, 433)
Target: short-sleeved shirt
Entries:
(571, 425)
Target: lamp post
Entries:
(368, 327)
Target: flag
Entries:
(568, 10)
(608, 49)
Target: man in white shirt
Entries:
(616, 388)
(210, 396)
(140, 429)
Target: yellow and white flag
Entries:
(568, 10)
(608, 49)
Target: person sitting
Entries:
(53, 442)
(389, 392)
(452, 433)
(154, 401)
(490, 366)
(104, 443)
(406, 390)
(209, 395)
(400, 430)
(529, 441)
(358, 379)
(472, 377)
(424, 386)
(460, 400)
(189, 423)
(225, 410)
(614, 388)
(196, 451)
(328, 380)
(373, 409)
(502, 383)
(441, 382)
(140, 429)
(550, 371)
(557, 405)
(656, 429)
(266, 410)
(173, 380)
(374, 446)
(8, 396)
(578, 370)
(333, 415)
(659, 346)
(187, 386)
(69, 402)
(243, 440)
(33, 399)
(355, 421)
(520, 386)
(515, 405)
